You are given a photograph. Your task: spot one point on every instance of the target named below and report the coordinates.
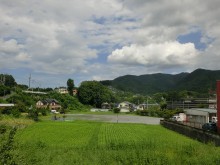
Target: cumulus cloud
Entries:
(155, 54)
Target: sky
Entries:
(55, 40)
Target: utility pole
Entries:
(29, 82)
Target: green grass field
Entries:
(82, 142)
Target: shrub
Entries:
(16, 113)
(116, 110)
(33, 114)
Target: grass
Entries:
(21, 122)
(83, 142)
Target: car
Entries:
(211, 126)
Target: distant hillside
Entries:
(200, 80)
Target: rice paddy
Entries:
(83, 142)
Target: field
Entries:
(84, 142)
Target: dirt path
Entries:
(114, 119)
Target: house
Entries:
(75, 91)
(146, 106)
(126, 106)
(62, 90)
(48, 103)
(200, 115)
(106, 106)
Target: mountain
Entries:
(200, 80)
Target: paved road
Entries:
(113, 118)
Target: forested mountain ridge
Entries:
(200, 80)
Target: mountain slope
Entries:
(200, 80)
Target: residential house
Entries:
(106, 106)
(48, 103)
(63, 90)
(146, 106)
(126, 106)
(75, 91)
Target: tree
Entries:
(94, 93)
(70, 86)
(7, 80)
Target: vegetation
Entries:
(200, 81)
(7, 80)
(70, 86)
(7, 144)
(107, 143)
(94, 93)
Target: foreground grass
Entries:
(107, 143)
(21, 122)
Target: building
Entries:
(48, 103)
(6, 105)
(146, 106)
(75, 91)
(200, 115)
(126, 106)
(192, 103)
(62, 90)
(106, 106)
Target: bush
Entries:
(7, 145)
(116, 110)
(16, 113)
(33, 114)
(43, 111)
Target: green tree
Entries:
(70, 86)
(94, 93)
(7, 80)
(4, 90)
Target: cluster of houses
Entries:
(124, 106)
(192, 115)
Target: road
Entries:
(114, 119)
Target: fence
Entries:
(192, 124)
(192, 132)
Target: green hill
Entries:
(200, 80)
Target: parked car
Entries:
(54, 111)
(210, 127)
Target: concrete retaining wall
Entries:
(194, 133)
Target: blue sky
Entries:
(101, 40)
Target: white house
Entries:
(125, 106)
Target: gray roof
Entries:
(202, 110)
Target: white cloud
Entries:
(162, 54)
(10, 46)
